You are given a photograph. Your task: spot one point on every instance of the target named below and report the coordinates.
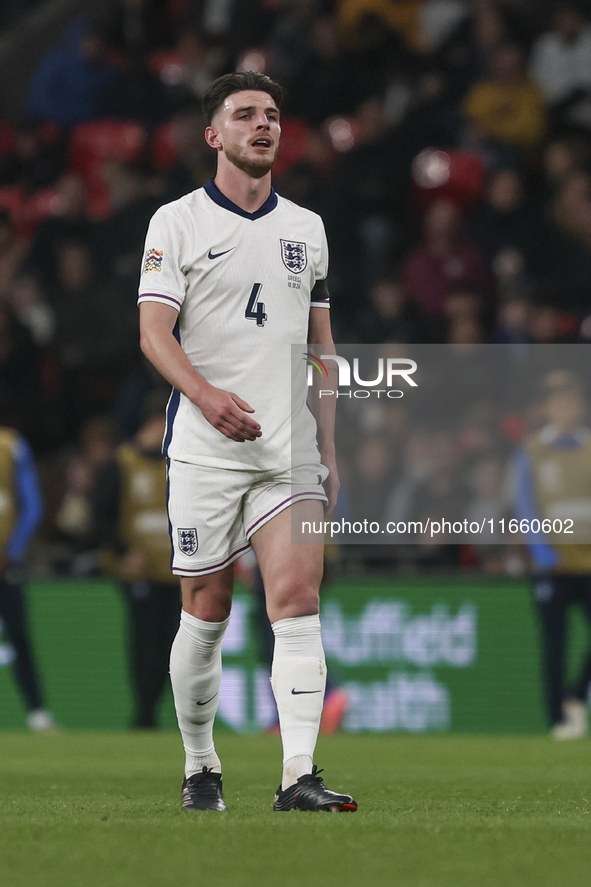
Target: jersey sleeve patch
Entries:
(319, 297)
(153, 260)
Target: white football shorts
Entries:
(213, 512)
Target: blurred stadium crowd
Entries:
(446, 144)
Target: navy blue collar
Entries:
(216, 195)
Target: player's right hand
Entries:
(228, 414)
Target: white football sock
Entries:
(195, 674)
(298, 678)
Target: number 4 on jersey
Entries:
(255, 310)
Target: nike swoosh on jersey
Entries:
(211, 255)
(295, 692)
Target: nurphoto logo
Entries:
(387, 370)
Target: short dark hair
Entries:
(239, 81)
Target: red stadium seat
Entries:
(40, 205)
(164, 147)
(11, 200)
(294, 141)
(94, 144)
(163, 59)
(178, 10)
(26, 211)
(49, 133)
(7, 139)
(448, 175)
(103, 140)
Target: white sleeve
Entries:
(319, 297)
(162, 278)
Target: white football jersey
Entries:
(243, 284)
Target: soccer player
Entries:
(239, 274)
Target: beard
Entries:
(256, 168)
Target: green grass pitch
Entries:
(102, 810)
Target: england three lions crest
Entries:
(294, 256)
(188, 543)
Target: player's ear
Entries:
(212, 137)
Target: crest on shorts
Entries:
(153, 260)
(294, 256)
(188, 542)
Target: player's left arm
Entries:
(324, 408)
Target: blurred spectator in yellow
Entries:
(508, 108)
(131, 526)
(402, 16)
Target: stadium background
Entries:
(453, 177)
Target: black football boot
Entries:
(203, 791)
(310, 793)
